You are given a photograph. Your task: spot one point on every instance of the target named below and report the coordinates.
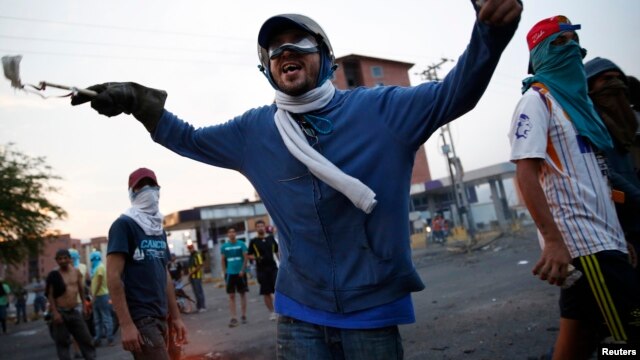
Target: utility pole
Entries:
(464, 216)
(431, 72)
(457, 181)
(446, 149)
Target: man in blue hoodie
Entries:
(320, 158)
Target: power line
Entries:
(117, 57)
(121, 28)
(94, 43)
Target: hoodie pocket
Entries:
(358, 264)
(309, 258)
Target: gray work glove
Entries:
(146, 104)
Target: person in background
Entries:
(40, 300)
(234, 261)
(64, 287)
(175, 268)
(321, 159)
(634, 98)
(76, 263)
(609, 91)
(264, 251)
(75, 258)
(137, 276)
(102, 318)
(20, 298)
(195, 276)
(5, 290)
(556, 142)
(438, 229)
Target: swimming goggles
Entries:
(304, 45)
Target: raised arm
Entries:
(219, 145)
(422, 109)
(498, 12)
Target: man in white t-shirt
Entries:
(556, 138)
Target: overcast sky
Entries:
(203, 53)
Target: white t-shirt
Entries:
(573, 182)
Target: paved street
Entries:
(482, 304)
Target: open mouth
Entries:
(290, 67)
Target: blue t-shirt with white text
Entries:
(145, 271)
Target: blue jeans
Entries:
(102, 320)
(198, 292)
(301, 340)
(39, 304)
(21, 312)
(154, 339)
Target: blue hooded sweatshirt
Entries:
(334, 257)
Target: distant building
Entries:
(206, 226)
(38, 267)
(358, 70)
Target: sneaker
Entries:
(233, 323)
(202, 310)
(273, 316)
(244, 319)
(96, 342)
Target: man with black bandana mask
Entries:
(333, 168)
(609, 92)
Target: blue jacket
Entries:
(334, 256)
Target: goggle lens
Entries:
(305, 45)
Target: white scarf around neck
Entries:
(294, 139)
(145, 212)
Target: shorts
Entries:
(237, 284)
(267, 281)
(606, 298)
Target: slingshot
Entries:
(11, 67)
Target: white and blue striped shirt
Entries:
(572, 177)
